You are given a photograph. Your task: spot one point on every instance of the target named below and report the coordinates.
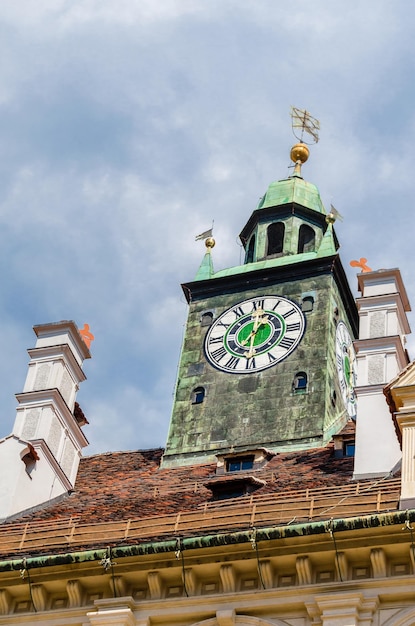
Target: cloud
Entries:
(127, 127)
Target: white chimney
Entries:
(39, 460)
(380, 356)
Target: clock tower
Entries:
(267, 357)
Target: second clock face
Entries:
(345, 357)
(254, 335)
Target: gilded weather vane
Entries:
(207, 237)
(303, 122)
(301, 119)
(333, 215)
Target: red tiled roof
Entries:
(123, 485)
(126, 497)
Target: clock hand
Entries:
(251, 345)
(350, 353)
(259, 319)
(245, 341)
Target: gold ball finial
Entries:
(299, 152)
(210, 243)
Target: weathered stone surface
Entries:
(261, 409)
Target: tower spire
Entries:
(205, 270)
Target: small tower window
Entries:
(300, 382)
(275, 236)
(307, 304)
(198, 395)
(306, 239)
(249, 258)
(206, 319)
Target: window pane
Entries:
(234, 466)
(247, 464)
(350, 448)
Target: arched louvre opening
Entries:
(275, 238)
(306, 239)
(250, 251)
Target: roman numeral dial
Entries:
(254, 334)
(346, 367)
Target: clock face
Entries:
(345, 359)
(254, 335)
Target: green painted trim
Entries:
(210, 541)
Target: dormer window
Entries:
(344, 441)
(238, 464)
(226, 487)
(349, 448)
(242, 461)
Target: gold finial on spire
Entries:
(209, 243)
(206, 267)
(301, 119)
(299, 155)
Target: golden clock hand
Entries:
(251, 344)
(252, 334)
(255, 329)
(245, 341)
(256, 315)
(259, 320)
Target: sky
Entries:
(127, 127)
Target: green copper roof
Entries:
(328, 245)
(294, 189)
(291, 190)
(205, 270)
(326, 249)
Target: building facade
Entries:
(257, 512)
